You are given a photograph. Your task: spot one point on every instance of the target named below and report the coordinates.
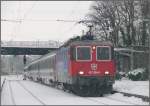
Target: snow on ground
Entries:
(10, 77)
(46, 94)
(134, 87)
(21, 92)
(54, 96)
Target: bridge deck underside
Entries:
(25, 51)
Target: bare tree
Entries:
(107, 20)
(119, 21)
(145, 10)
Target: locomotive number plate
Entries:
(93, 72)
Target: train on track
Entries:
(86, 68)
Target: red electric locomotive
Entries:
(85, 67)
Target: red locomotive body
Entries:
(94, 65)
(84, 67)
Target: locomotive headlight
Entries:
(106, 72)
(81, 72)
(94, 47)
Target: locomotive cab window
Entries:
(103, 53)
(83, 53)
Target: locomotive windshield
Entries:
(83, 53)
(103, 53)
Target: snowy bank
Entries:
(134, 87)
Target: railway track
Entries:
(144, 98)
(120, 100)
(3, 84)
(109, 101)
(97, 101)
(11, 93)
(35, 97)
(106, 100)
(88, 99)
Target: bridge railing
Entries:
(31, 44)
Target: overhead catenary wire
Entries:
(25, 18)
(18, 19)
(42, 20)
(70, 16)
(16, 25)
(29, 10)
(26, 15)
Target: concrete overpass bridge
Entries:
(28, 47)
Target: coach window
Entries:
(83, 53)
(103, 53)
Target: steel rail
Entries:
(144, 98)
(3, 84)
(11, 93)
(30, 93)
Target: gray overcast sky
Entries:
(41, 11)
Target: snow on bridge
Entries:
(31, 44)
